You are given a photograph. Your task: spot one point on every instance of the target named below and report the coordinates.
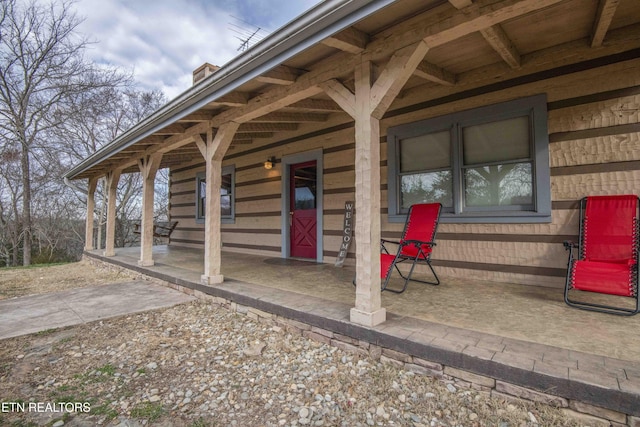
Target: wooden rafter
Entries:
(460, 4)
(496, 37)
(447, 27)
(199, 116)
(280, 117)
(173, 129)
(394, 76)
(252, 135)
(233, 99)
(316, 105)
(349, 40)
(604, 16)
(433, 73)
(266, 127)
(502, 44)
(281, 75)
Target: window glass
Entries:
(426, 188)
(226, 194)
(491, 165)
(499, 185)
(496, 141)
(305, 187)
(425, 152)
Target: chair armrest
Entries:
(418, 243)
(389, 241)
(383, 248)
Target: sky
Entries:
(162, 41)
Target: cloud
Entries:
(163, 41)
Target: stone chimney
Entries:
(203, 71)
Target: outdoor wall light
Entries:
(269, 163)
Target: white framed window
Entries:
(227, 195)
(489, 164)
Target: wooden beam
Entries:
(91, 206)
(241, 141)
(283, 117)
(434, 30)
(433, 73)
(368, 310)
(281, 75)
(341, 95)
(316, 104)
(502, 44)
(394, 76)
(215, 149)
(266, 127)
(171, 130)
(604, 16)
(112, 179)
(461, 4)
(255, 135)
(148, 167)
(233, 99)
(199, 116)
(349, 40)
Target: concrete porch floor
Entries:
(523, 334)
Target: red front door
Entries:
(302, 214)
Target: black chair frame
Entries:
(420, 257)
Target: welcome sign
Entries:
(347, 230)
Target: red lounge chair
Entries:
(415, 246)
(607, 261)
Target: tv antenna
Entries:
(247, 33)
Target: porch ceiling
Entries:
(473, 41)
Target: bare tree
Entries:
(98, 118)
(41, 68)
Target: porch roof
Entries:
(275, 89)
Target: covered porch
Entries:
(523, 335)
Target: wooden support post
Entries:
(91, 206)
(213, 151)
(148, 167)
(367, 106)
(112, 179)
(368, 310)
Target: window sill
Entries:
(222, 220)
(485, 218)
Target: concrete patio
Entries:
(522, 335)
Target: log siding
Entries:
(588, 119)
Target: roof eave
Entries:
(320, 22)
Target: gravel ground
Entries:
(197, 364)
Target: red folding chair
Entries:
(607, 261)
(415, 246)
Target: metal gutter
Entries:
(310, 28)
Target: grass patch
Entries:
(148, 411)
(32, 266)
(106, 410)
(45, 332)
(107, 369)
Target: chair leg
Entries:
(600, 308)
(437, 280)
